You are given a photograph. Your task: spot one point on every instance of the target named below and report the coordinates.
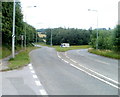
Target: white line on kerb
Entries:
(96, 77)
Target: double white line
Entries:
(92, 73)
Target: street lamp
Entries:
(97, 27)
(13, 33)
(25, 25)
(51, 37)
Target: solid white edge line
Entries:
(96, 77)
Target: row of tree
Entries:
(20, 25)
(70, 35)
(107, 39)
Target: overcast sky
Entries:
(70, 13)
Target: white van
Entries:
(65, 45)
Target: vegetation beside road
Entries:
(21, 59)
(106, 53)
(63, 49)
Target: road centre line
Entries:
(98, 73)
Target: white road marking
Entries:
(37, 82)
(100, 74)
(66, 61)
(35, 76)
(97, 72)
(33, 71)
(96, 77)
(73, 60)
(43, 92)
(31, 67)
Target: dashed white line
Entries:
(37, 82)
(43, 92)
(35, 76)
(31, 67)
(33, 71)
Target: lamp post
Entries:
(13, 33)
(25, 26)
(51, 37)
(97, 26)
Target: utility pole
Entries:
(36, 37)
(97, 27)
(13, 33)
(51, 37)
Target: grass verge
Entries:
(106, 53)
(20, 59)
(63, 49)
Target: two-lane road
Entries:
(58, 77)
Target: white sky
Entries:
(70, 13)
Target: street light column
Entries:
(97, 27)
(97, 31)
(13, 33)
(51, 37)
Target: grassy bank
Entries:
(106, 53)
(20, 59)
(6, 51)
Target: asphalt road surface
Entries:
(75, 72)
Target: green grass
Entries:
(63, 49)
(5, 52)
(106, 53)
(20, 59)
